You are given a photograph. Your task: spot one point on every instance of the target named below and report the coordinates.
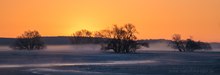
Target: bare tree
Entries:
(177, 42)
(188, 45)
(122, 39)
(29, 40)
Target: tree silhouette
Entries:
(122, 39)
(29, 40)
(177, 42)
(188, 45)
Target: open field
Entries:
(91, 61)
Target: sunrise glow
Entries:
(154, 19)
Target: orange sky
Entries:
(153, 18)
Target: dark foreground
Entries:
(144, 63)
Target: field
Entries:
(89, 60)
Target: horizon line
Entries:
(137, 39)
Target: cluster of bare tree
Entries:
(188, 45)
(123, 39)
(29, 40)
(120, 39)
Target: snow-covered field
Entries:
(89, 60)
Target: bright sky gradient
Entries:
(153, 18)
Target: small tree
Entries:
(29, 40)
(177, 42)
(188, 45)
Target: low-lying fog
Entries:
(96, 48)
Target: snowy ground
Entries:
(89, 60)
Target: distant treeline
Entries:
(65, 40)
(6, 41)
(60, 40)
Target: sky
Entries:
(154, 19)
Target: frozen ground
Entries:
(89, 60)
